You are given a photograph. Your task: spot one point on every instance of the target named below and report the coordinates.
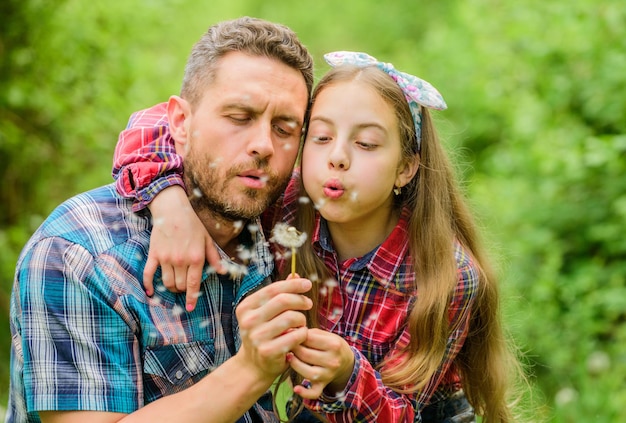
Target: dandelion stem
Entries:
(293, 261)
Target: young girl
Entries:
(408, 309)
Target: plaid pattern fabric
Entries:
(145, 160)
(369, 305)
(84, 334)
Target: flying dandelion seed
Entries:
(287, 146)
(215, 162)
(197, 193)
(161, 288)
(354, 195)
(288, 237)
(210, 270)
(330, 283)
(321, 203)
(323, 291)
(238, 224)
(265, 179)
(156, 300)
(204, 323)
(158, 222)
(244, 254)
(177, 310)
(304, 200)
(314, 278)
(197, 295)
(350, 289)
(218, 225)
(195, 134)
(253, 228)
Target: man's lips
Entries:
(254, 178)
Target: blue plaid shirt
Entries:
(85, 336)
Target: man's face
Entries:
(242, 138)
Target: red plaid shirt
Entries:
(369, 305)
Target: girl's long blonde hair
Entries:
(487, 364)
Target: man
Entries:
(90, 345)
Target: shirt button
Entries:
(179, 374)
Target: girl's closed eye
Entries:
(319, 139)
(366, 145)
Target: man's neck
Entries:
(225, 233)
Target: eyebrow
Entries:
(363, 125)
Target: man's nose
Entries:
(261, 144)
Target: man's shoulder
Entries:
(97, 220)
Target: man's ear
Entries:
(178, 113)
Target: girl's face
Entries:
(352, 155)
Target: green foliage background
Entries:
(536, 120)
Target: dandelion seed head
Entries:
(288, 236)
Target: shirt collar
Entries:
(384, 261)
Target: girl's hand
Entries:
(325, 360)
(180, 244)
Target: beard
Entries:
(219, 196)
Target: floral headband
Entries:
(416, 91)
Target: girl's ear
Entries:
(178, 111)
(408, 171)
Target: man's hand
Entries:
(272, 324)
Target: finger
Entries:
(286, 322)
(213, 257)
(273, 299)
(167, 276)
(180, 278)
(148, 274)
(290, 286)
(280, 346)
(194, 278)
(312, 391)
